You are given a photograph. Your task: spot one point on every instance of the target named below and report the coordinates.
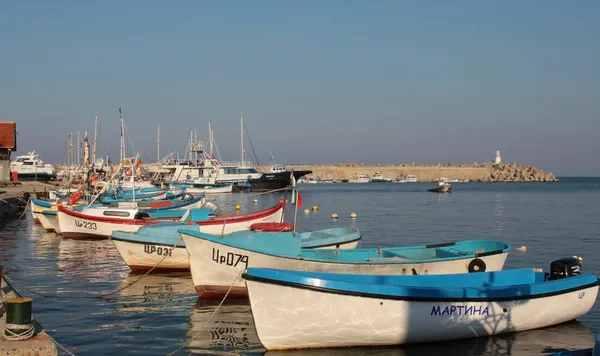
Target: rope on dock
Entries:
(209, 319)
(9, 334)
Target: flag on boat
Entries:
(296, 197)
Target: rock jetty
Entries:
(475, 172)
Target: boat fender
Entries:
(477, 265)
(74, 197)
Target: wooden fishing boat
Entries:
(441, 188)
(152, 244)
(216, 263)
(300, 309)
(102, 221)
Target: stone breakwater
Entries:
(476, 172)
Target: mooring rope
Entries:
(92, 295)
(59, 345)
(9, 334)
(209, 319)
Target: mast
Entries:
(210, 140)
(95, 138)
(158, 143)
(242, 138)
(78, 149)
(69, 157)
(122, 136)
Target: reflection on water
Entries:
(498, 213)
(230, 331)
(91, 261)
(139, 293)
(565, 337)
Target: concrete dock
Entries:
(38, 345)
(14, 196)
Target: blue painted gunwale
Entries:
(177, 202)
(504, 285)
(43, 203)
(166, 234)
(291, 248)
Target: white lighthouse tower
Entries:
(498, 159)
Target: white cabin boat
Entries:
(31, 167)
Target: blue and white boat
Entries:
(148, 247)
(216, 262)
(300, 309)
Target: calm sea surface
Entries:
(160, 313)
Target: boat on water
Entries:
(30, 167)
(362, 178)
(442, 187)
(408, 179)
(374, 310)
(148, 246)
(215, 262)
(204, 188)
(100, 222)
(379, 178)
(279, 177)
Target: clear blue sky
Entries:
(317, 81)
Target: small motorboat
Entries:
(301, 309)
(442, 187)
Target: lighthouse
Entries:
(498, 159)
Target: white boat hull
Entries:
(53, 219)
(215, 267)
(217, 190)
(293, 318)
(143, 257)
(79, 227)
(45, 222)
(34, 207)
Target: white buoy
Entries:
(255, 201)
(334, 216)
(306, 211)
(522, 248)
(353, 216)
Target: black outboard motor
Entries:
(564, 268)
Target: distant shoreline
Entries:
(476, 172)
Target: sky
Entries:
(378, 82)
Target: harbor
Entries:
(299, 179)
(162, 311)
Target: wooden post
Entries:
(18, 319)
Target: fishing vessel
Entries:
(301, 309)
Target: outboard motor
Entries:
(212, 206)
(564, 268)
